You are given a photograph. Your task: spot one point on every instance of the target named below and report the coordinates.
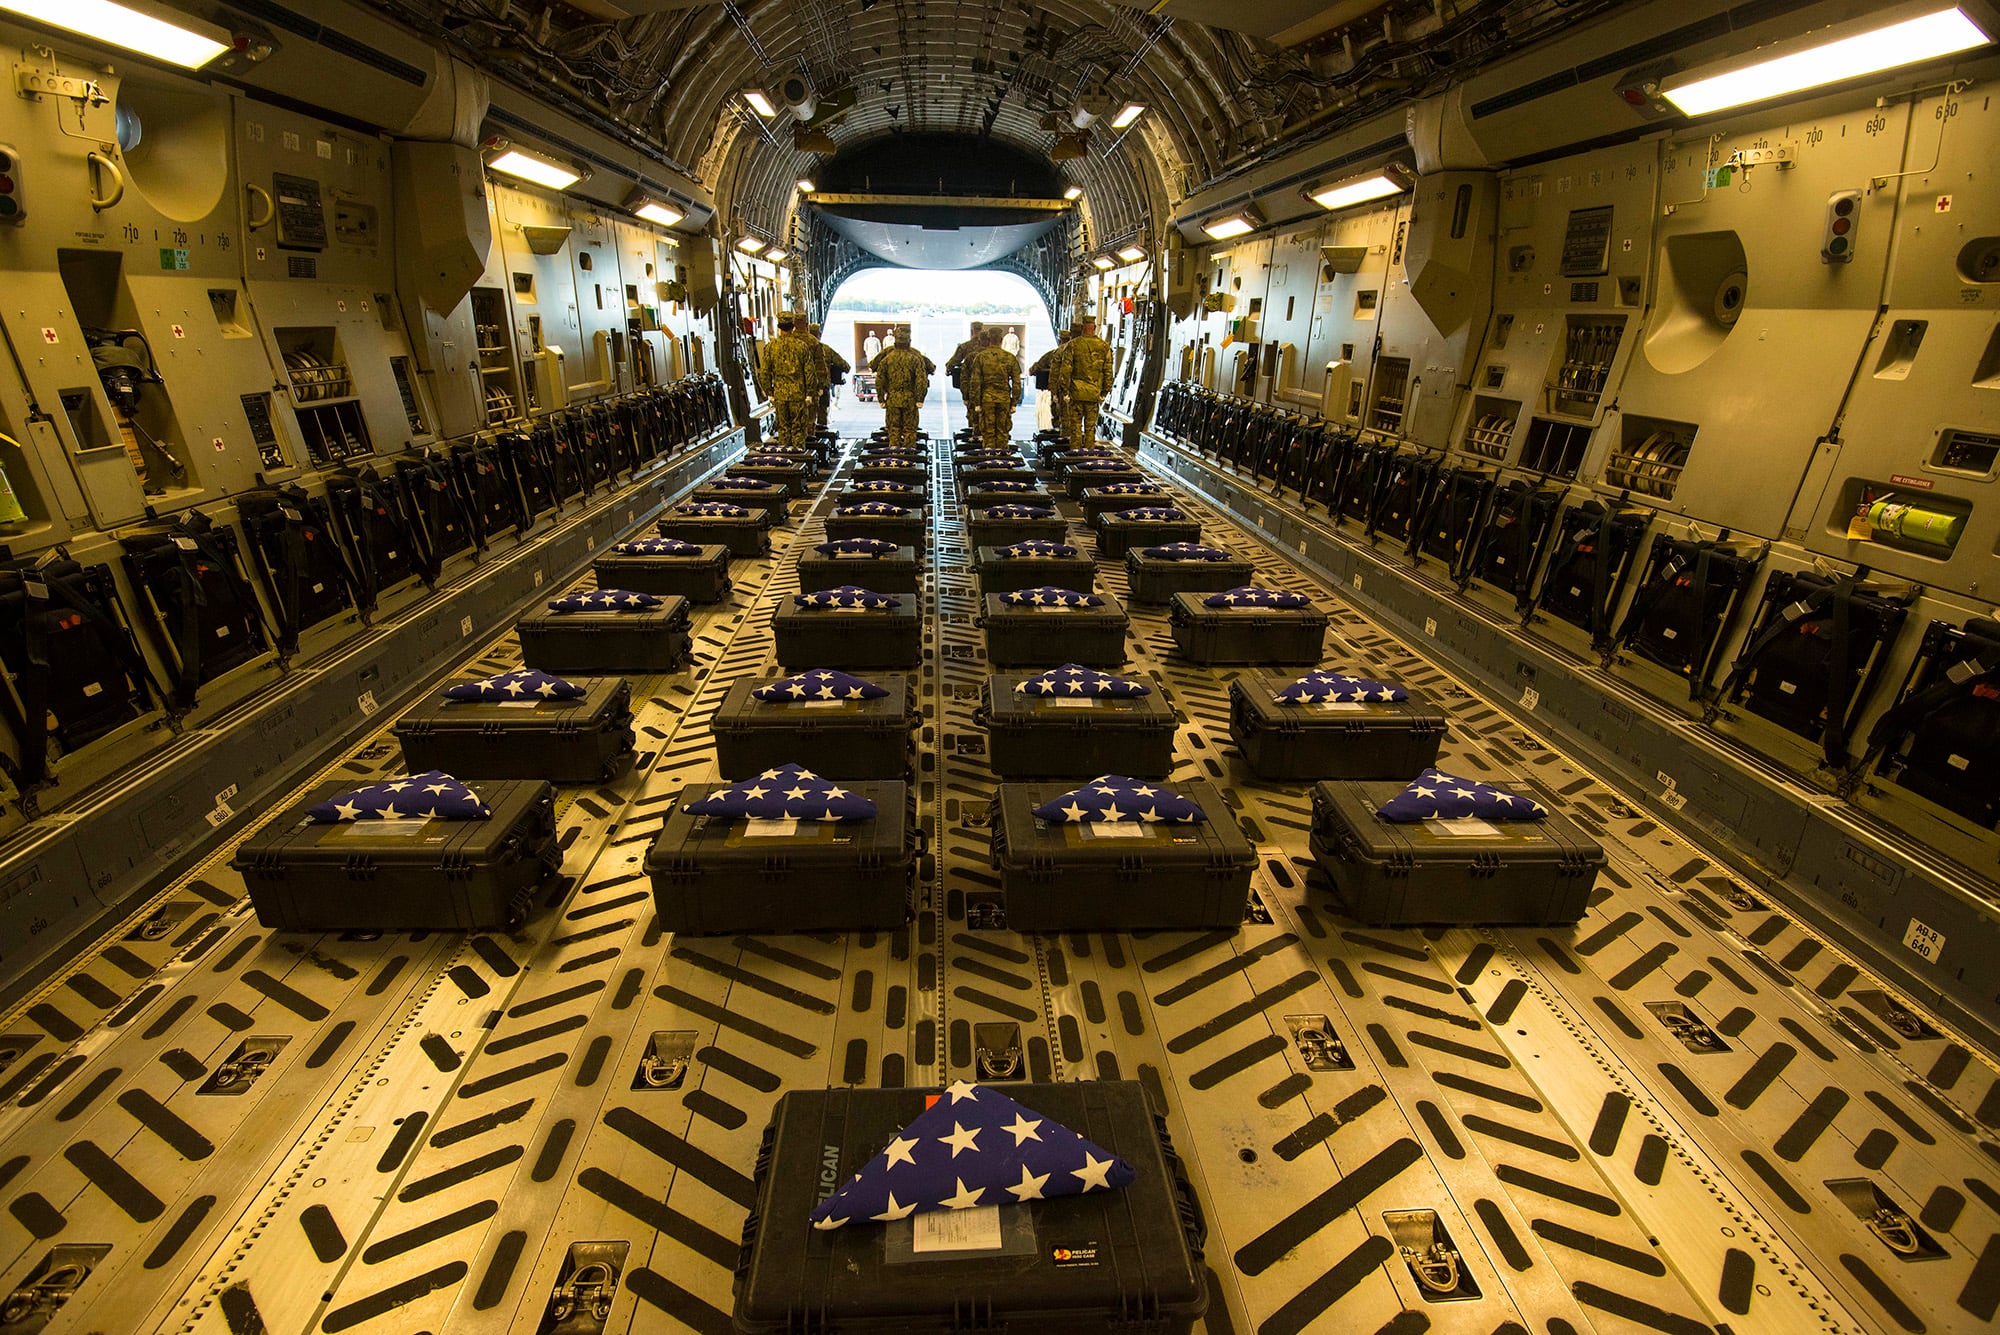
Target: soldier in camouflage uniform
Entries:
(902, 381)
(833, 368)
(790, 373)
(1089, 381)
(996, 375)
(956, 365)
(1047, 381)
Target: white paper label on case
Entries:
(1342, 706)
(1070, 702)
(770, 829)
(1116, 829)
(973, 1230)
(1463, 827)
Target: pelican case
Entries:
(1155, 579)
(1031, 735)
(792, 476)
(1331, 740)
(908, 530)
(983, 529)
(606, 643)
(1042, 637)
(585, 740)
(1096, 502)
(1116, 536)
(1224, 635)
(747, 535)
(1079, 878)
(1493, 873)
(852, 638)
(981, 498)
(715, 875)
(771, 497)
(999, 574)
(835, 739)
(702, 578)
(404, 875)
(911, 474)
(1068, 1265)
(891, 572)
(979, 474)
(1078, 481)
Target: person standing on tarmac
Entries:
(902, 382)
(833, 369)
(955, 367)
(1049, 383)
(996, 373)
(790, 372)
(1089, 381)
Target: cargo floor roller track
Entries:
(1685, 1112)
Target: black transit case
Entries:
(983, 528)
(1127, 1260)
(1000, 574)
(1030, 735)
(1097, 502)
(835, 739)
(1329, 739)
(792, 476)
(607, 643)
(1116, 536)
(979, 475)
(910, 474)
(1226, 635)
(700, 578)
(716, 875)
(910, 530)
(773, 498)
(584, 740)
(1042, 637)
(849, 637)
(1123, 876)
(1076, 481)
(981, 498)
(891, 572)
(1155, 579)
(1393, 874)
(743, 535)
(404, 875)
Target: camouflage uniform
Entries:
(1089, 381)
(790, 373)
(830, 362)
(1050, 382)
(957, 367)
(995, 374)
(902, 380)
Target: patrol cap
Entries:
(902, 338)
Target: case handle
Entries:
(101, 163)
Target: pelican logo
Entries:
(829, 1170)
(1074, 1254)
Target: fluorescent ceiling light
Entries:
(1128, 113)
(534, 167)
(1132, 254)
(1845, 51)
(750, 245)
(1355, 190)
(1104, 261)
(760, 102)
(775, 254)
(1235, 225)
(181, 40)
(1074, 192)
(806, 187)
(666, 215)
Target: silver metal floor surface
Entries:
(227, 1129)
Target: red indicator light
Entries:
(1841, 226)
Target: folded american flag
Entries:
(1149, 513)
(1075, 679)
(767, 461)
(1033, 549)
(973, 1146)
(656, 547)
(1339, 688)
(1048, 595)
(1186, 551)
(744, 484)
(1131, 489)
(897, 488)
(845, 595)
(1017, 512)
(713, 510)
(1250, 595)
(1005, 487)
(433, 795)
(818, 684)
(1110, 798)
(855, 547)
(876, 508)
(1096, 465)
(604, 600)
(789, 792)
(520, 684)
(1439, 796)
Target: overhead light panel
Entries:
(760, 102)
(750, 245)
(1355, 190)
(775, 254)
(1104, 262)
(666, 215)
(1232, 225)
(1128, 113)
(535, 167)
(1884, 40)
(1074, 193)
(806, 187)
(1132, 254)
(142, 27)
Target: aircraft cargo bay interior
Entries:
(1084, 665)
